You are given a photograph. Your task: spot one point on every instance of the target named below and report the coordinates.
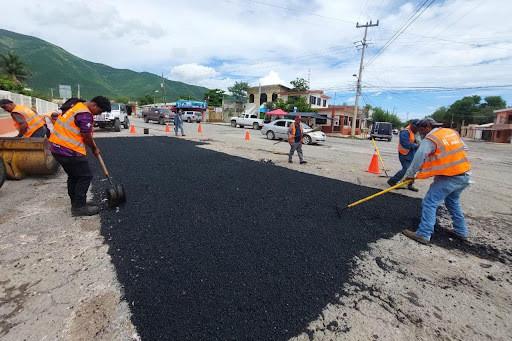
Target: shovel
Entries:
(398, 185)
(115, 194)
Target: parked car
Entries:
(160, 115)
(250, 120)
(113, 119)
(382, 130)
(192, 116)
(395, 131)
(278, 129)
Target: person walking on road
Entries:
(442, 155)
(295, 135)
(28, 123)
(72, 132)
(178, 122)
(407, 147)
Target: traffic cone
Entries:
(167, 128)
(200, 128)
(247, 135)
(374, 165)
(132, 129)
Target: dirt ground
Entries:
(57, 280)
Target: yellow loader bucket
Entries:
(26, 156)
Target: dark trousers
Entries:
(41, 132)
(79, 178)
(406, 162)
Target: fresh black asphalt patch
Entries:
(215, 247)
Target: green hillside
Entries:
(51, 65)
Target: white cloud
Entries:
(192, 72)
(271, 78)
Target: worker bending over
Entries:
(72, 132)
(295, 135)
(28, 123)
(406, 149)
(442, 155)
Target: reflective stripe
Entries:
(66, 125)
(444, 166)
(68, 139)
(444, 154)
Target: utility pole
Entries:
(162, 85)
(309, 77)
(51, 92)
(78, 91)
(358, 88)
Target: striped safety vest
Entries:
(291, 135)
(65, 131)
(449, 158)
(412, 138)
(34, 121)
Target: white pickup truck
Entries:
(247, 119)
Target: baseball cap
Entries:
(5, 101)
(428, 122)
(415, 122)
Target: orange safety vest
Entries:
(34, 121)
(65, 131)
(449, 158)
(412, 138)
(291, 135)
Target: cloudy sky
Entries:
(453, 44)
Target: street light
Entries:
(154, 97)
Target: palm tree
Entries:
(12, 65)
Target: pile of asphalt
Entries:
(211, 246)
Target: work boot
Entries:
(455, 235)
(414, 236)
(290, 161)
(412, 188)
(391, 182)
(303, 162)
(86, 210)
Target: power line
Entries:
(417, 13)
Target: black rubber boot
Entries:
(86, 210)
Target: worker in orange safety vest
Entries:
(441, 155)
(407, 146)
(27, 122)
(295, 135)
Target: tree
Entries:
(239, 91)
(300, 85)
(147, 99)
(214, 97)
(440, 115)
(381, 115)
(13, 67)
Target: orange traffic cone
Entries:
(200, 128)
(374, 165)
(247, 135)
(132, 129)
(167, 128)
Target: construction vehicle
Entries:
(20, 157)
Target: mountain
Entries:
(51, 65)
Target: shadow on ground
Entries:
(211, 246)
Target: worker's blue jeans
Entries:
(447, 189)
(405, 162)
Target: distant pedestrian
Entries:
(442, 155)
(178, 122)
(407, 147)
(28, 123)
(295, 135)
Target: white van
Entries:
(192, 116)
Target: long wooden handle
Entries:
(406, 182)
(103, 166)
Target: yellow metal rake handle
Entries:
(398, 185)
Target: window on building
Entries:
(274, 97)
(325, 103)
(346, 121)
(312, 100)
(263, 98)
(251, 98)
(318, 101)
(321, 120)
(357, 123)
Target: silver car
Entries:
(278, 129)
